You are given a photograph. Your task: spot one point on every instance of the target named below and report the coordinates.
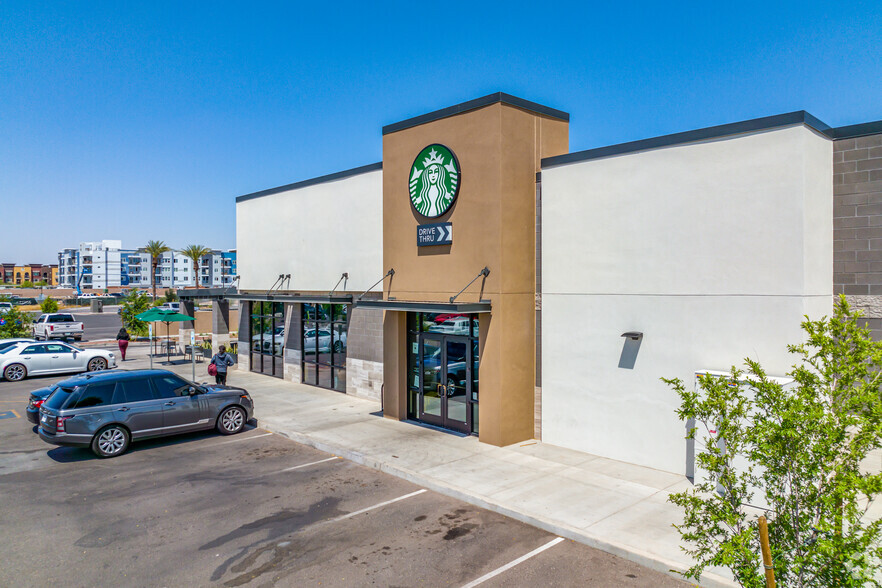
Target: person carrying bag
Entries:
(122, 339)
(220, 362)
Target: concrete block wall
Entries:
(293, 340)
(857, 225)
(365, 337)
(364, 359)
(243, 361)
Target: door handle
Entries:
(123, 408)
(54, 357)
(169, 403)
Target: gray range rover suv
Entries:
(108, 410)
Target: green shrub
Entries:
(132, 305)
(801, 448)
(15, 324)
(49, 305)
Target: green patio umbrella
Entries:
(166, 316)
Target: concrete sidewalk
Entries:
(617, 507)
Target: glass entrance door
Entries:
(446, 381)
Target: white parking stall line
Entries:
(303, 465)
(513, 563)
(382, 504)
(243, 439)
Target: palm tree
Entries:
(195, 253)
(155, 249)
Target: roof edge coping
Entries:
(312, 181)
(494, 98)
(715, 132)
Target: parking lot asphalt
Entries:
(257, 509)
(96, 326)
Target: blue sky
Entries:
(138, 121)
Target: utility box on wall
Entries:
(709, 434)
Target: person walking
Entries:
(221, 361)
(122, 339)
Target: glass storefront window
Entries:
(442, 368)
(340, 379)
(338, 344)
(267, 338)
(324, 344)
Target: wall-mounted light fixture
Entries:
(633, 335)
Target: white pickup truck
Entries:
(57, 325)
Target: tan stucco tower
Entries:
(499, 141)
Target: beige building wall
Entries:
(499, 148)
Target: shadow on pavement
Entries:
(75, 454)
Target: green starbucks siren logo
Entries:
(434, 181)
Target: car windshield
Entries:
(74, 347)
(8, 349)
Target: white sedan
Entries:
(4, 343)
(324, 341)
(31, 359)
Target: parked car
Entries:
(108, 411)
(262, 342)
(173, 306)
(5, 307)
(4, 343)
(57, 325)
(32, 359)
(452, 326)
(324, 340)
(36, 400)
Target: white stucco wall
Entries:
(315, 234)
(714, 250)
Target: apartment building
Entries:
(18, 273)
(103, 264)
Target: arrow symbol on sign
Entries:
(442, 233)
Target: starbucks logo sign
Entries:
(434, 181)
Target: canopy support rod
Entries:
(390, 273)
(484, 272)
(280, 281)
(236, 279)
(345, 276)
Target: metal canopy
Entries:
(436, 307)
(302, 298)
(207, 294)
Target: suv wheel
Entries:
(97, 364)
(110, 441)
(231, 421)
(15, 372)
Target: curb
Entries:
(632, 554)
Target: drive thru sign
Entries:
(435, 234)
